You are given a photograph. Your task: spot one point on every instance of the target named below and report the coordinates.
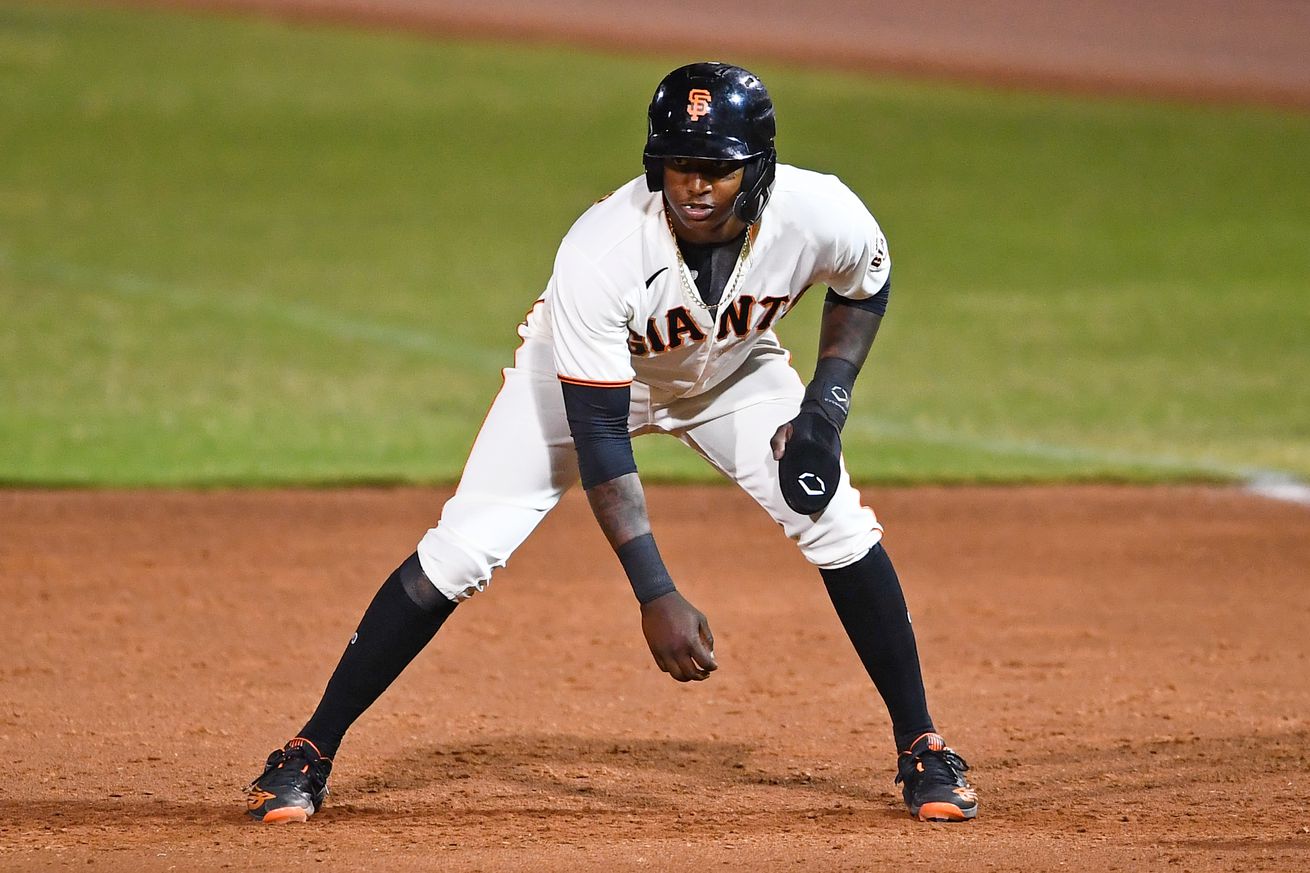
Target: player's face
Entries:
(699, 194)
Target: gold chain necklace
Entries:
(689, 291)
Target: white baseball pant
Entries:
(523, 461)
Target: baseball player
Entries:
(658, 318)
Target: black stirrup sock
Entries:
(404, 616)
(871, 607)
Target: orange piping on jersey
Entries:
(570, 380)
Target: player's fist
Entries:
(679, 637)
(779, 441)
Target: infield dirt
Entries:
(1125, 669)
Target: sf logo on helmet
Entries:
(698, 103)
(811, 484)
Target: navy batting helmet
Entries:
(717, 112)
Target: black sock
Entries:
(404, 616)
(871, 607)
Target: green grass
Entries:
(235, 251)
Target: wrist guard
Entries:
(645, 568)
(829, 392)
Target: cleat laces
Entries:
(945, 767)
(297, 758)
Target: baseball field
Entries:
(258, 278)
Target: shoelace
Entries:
(295, 758)
(945, 767)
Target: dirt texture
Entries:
(1125, 669)
(1253, 50)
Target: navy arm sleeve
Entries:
(598, 420)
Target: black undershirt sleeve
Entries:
(598, 420)
(877, 303)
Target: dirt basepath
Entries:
(1253, 50)
(1125, 669)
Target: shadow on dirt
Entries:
(62, 815)
(626, 773)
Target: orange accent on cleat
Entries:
(286, 814)
(285, 792)
(255, 799)
(938, 811)
(301, 741)
(935, 742)
(934, 787)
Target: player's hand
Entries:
(779, 441)
(679, 637)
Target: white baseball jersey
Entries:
(622, 309)
(621, 306)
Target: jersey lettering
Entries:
(681, 322)
(653, 336)
(637, 344)
(737, 315)
(682, 330)
(620, 306)
(879, 255)
(771, 306)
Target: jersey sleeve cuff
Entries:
(592, 383)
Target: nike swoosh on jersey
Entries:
(655, 275)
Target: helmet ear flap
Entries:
(654, 173)
(756, 185)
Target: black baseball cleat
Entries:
(934, 785)
(292, 786)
